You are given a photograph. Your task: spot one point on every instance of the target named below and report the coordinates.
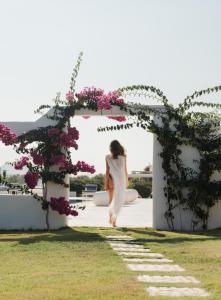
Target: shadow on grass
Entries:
(62, 235)
(172, 237)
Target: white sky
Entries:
(174, 45)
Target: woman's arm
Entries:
(126, 173)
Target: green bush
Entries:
(78, 183)
(142, 185)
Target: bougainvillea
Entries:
(98, 96)
(21, 163)
(62, 206)
(38, 159)
(6, 135)
(31, 179)
(119, 119)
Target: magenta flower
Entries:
(38, 159)
(119, 119)
(20, 164)
(31, 179)
(53, 131)
(70, 96)
(62, 206)
(103, 101)
(80, 166)
(6, 135)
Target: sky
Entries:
(174, 45)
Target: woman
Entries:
(116, 179)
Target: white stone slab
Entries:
(177, 292)
(159, 268)
(118, 237)
(126, 245)
(154, 260)
(131, 249)
(168, 279)
(134, 254)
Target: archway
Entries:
(186, 195)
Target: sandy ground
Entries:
(137, 214)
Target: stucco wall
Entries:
(25, 212)
(182, 218)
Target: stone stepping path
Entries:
(138, 255)
(159, 268)
(140, 260)
(168, 279)
(177, 292)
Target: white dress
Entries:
(117, 171)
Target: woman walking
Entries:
(116, 179)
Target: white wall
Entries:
(25, 212)
(183, 218)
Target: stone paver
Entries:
(176, 292)
(126, 245)
(168, 279)
(159, 268)
(118, 237)
(154, 260)
(132, 249)
(134, 254)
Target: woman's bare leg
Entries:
(114, 223)
(111, 194)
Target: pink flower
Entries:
(6, 135)
(38, 159)
(53, 131)
(102, 100)
(119, 119)
(80, 166)
(70, 96)
(31, 179)
(62, 206)
(86, 117)
(19, 165)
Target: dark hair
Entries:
(116, 149)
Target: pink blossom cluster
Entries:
(62, 206)
(20, 164)
(119, 119)
(6, 135)
(38, 159)
(80, 166)
(104, 101)
(65, 139)
(53, 131)
(70, 96)
(31, 179)
(68, 139)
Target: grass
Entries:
(78, 264)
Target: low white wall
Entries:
(24, 212)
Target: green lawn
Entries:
(78, 263)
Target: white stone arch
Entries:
(183, 222)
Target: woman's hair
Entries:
(116, 149)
